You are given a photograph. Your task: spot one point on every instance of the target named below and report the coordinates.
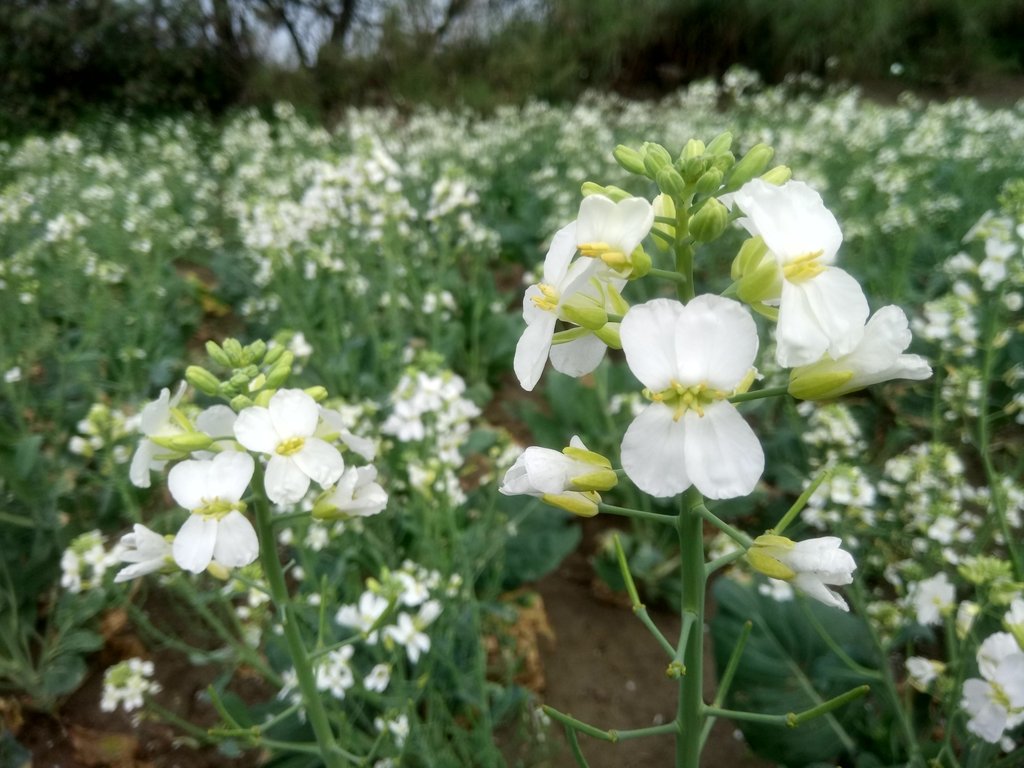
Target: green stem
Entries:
(684, 268)
(724, 560)
(726, 682)
(844, 657)
(611, 735)
(289, 620)
(791, 719)
(759, 394)
(801, 502)
(637, 514)
(736, 535)
(689, 714)
(639, 609)
(667, 274)
(180, 723)
(574, 746)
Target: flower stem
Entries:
(759, 394)
(654, 517)
(292, 635)
(736, 535)
(667, 274)
(689, 714)
(726, 681)
(634, 597)
(801, 502)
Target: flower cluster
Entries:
(126, 684)
(85, 562)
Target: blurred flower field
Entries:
(386, 260)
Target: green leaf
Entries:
(788, 667)
(62, 675)
(27, 454)
(80, 641)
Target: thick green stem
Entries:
(292, 634)
(689, 715)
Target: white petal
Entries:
(138, 472)
(813, 587)
(560, 253)
(294, 413)
(285, 483)
(548, 470)
(653, 452)
(155, 414)
(723, 455)
(800, 340)
(622, 225)
(532, 351)
(254, 428)
(141, 568)
(320, 460)
(579, 356)
(716, 342)
(217, 421)
(791, 218)
(648, 340)
(237, 544)
(363, 446)
(193, 546)
(516, 481)
(189, 483)
(839, 305)
(230, 475)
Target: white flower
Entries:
(155, 421)
(922, 672)
(996, 702)
(126, 683)
(355, 495)
(579, 292)
(364, 615)
(821, 307)
(334, 673)
(333, 423)
(285, 430)
(567, 479)
(216, 530)
(398, 727)
(146, 550)
(931, 598)
(407, 634)
(378, 678)
(808, 565)
(878, 357)
(691, 359)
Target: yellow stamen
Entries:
(594, 250)
(683, 398)
(217, 508)
(548, 299)
(804, 267)
(290, 446)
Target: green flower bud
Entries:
(656, 157)
(318, 393)
(807, 383)
(723, 161)
(752, 164)
(670, 182)
(217, 354)
(281, 370)
(709, 181)
(233, 349)
(721, 143)
(665, 208)
(255, 351)
(609, 334)
(241, 402)
(710, 221)
(582, 503)
(756, 272)
(239, 381)
(630, 159)
(694, 149)
(258, 383)
(202, 379)
(778, 175)
(589, 316)
(262, 398)
(273, 355)
(693, 169)
(185, 442)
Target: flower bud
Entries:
(656, 157)
(613, 193)
(752, 164)
(670, 182)
(709, 181)
(262, 398)
(805, 383)
(582, 504)
(589, 316)
(239, 381)
(778, 175)
(186, 442)
(202, 379)
(217, 354)
(664, 208)
(721, 143)
(723, 161)
(218, 571)
(318, 393)
(710, 221)
(273, 354)
(756, 272)
(258, 383)
(281, 370)
(694, 149)
(240, 403)
(233, 349)
(630, 159)
(255, 351)
(693, 169)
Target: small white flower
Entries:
(355, 495)
(146, 551)
(877, 357)
(156, 421)
(407, 634)
(285, 430)
(931, 598)
(691, 358)
(216, 530)
(821, 307)
(922, 672)
(125, 684)
(996, 702)
(364, 615)
(810, 565)
(13, 375)
(378, 678)
(334, 673)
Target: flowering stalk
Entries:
(289, 620)
(689, 714)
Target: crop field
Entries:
(373, 275)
